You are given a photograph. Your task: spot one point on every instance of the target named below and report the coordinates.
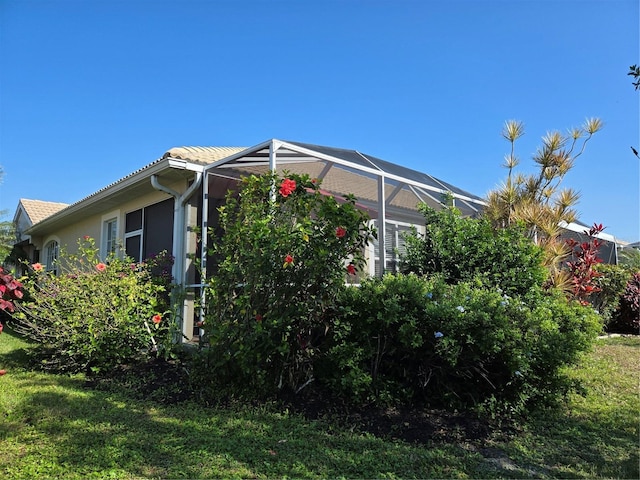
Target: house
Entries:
(162, 205)
(28, 213)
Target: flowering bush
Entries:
(418, 340)
(285, 253)
(93, 315)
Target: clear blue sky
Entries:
(92, 90)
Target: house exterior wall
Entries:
(93, 226)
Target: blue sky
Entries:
(92, 90)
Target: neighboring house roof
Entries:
(38, 210)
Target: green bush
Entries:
(285, 252)
(414, 340)
(465, 249)
(94, 316)
(611, 283)
(627, 319)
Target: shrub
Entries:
(10, 291)
(628, 318)
(611, 284)
(412, 340)
(285, 252)
(93, 316)
(462, 249)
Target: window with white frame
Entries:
(149, 230)
(109, 237)
(51, 251)
(133, 234)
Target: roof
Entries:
(38, 210)
(175, 163)
(203, 155)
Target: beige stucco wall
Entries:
(68, 236)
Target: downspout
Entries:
(179, 233)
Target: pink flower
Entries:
(200, 324)
(86, 237)
(2, 372)
(351, 269)
(101, 267)
(287, 187)
(38, 267)
(157, 318)
(340, 232)
(1, 327)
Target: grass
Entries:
(52, 426)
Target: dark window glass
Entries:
(158, 228)
(133, 221)
(132, 247)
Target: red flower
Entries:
(340, 232)
(86, 237)
(101, 267)
(2, 372)
(37, 267)
(351, 269)
(157, 318)
(258, 318)
(287, 187)
(288, 260)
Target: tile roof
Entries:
(38, 210)
(203, 155)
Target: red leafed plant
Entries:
(10, 290)
(585, 257)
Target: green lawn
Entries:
(52, 426)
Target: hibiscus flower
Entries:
(287, 187)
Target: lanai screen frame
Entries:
(373, 178)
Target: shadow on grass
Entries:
(572, 447)
(88, 433)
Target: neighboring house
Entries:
(608, 250)
(162, 205)
(28, 213)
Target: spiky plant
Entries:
(536, 200)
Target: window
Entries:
(110, 237)
(149, 230)
(51, 250)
